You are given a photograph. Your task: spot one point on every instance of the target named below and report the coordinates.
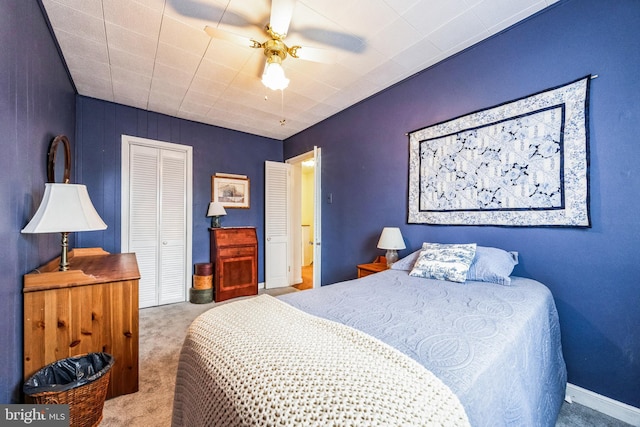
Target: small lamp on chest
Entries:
(216, 210)
(391, 240)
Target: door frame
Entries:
(295, 214)
(127, 141)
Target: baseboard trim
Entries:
(627, 413)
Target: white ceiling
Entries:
(155, 55)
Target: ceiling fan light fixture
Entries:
(273, 76)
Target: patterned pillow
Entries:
(444, 261)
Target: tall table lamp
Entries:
(65, 208)
(216, 210)
(391, 240)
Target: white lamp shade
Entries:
(216, 209)
(65, 208)
(391, 238)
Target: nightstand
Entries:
(234, 255)
(375, 267)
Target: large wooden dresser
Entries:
(234, 254)
(92, 307)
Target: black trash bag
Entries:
(69, 373)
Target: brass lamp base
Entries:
(64, 257)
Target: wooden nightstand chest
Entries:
(375, 267)
(92, 307)
(234, 254)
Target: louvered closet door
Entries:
(158, 222)
(278, 254)
(172, 227)
(144, 183)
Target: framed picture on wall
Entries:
(230, 190)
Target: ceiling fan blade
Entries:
(281, 13)
(205, 11)
(312, 54)
(230, 37)
(340, 40)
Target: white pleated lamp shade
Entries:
(65, 208)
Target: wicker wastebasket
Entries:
(81, 382)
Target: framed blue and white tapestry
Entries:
(521, 163)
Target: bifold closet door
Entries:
(158, 222)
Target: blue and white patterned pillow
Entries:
(444, 261)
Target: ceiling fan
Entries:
(274, 48)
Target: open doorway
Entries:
(304, 217)
(306, 226)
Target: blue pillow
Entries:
(406, 263)
(444, 261)
(492, 265)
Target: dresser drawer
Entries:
(235, 237)
(243, 251)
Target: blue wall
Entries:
(100, 127)
(37, 102)
(593, 273)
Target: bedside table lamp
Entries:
(65, 208)
(391, 240)
(216, 210)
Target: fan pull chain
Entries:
(283, 122)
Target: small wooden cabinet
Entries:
(380, 264)
(234, 254)
(92, 307)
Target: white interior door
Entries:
(277, 243)
(156, 217)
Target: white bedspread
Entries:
(259, 362)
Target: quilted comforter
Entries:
(496, 347)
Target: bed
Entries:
(494, 346)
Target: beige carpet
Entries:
(162, 331)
